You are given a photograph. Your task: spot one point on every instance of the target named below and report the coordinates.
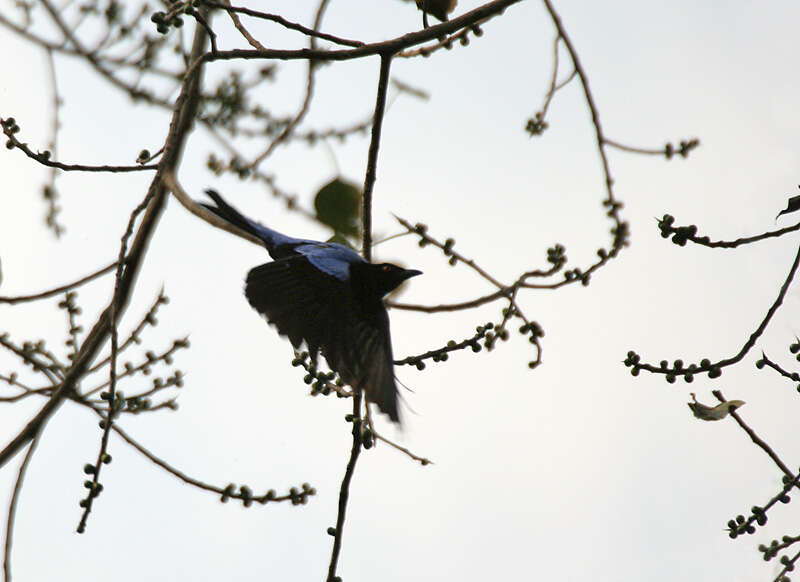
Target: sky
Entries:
(573, 471)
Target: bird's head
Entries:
(385, 277)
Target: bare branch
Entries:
(714, 369)
(761, 443)
(9, 129)
(389, 47)
(189, 204)
(372, 156)
(313, 33)
(12, 508)
(229, 492)
(344, 490)
(182, 118)
(61, 289)
(421, 460)
(681, 234)
(287, 131)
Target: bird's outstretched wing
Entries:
(309, 305)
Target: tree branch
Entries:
(344, 490)
(57, 290)
(391, 46)
(183, 115)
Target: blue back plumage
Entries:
(331, 258)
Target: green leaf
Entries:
(338, 204)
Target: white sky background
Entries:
(574, 471)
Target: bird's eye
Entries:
(386, 268)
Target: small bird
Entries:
(328, 296)
(718, 412)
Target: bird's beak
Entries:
(408, 273)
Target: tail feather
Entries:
(229, 213)
(273, 240)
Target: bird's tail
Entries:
(385, 396)
(279, 245)
(229, 213)
(379, 385)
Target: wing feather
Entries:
(311, 306)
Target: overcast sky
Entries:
(573, 471)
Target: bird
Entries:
(438, 8)
(718, 412)
(331, 298)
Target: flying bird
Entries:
(328, 296)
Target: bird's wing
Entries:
(296, 297)
(362, 354)
(307, 304)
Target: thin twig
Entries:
(372, 156)
(449, 251)
(344, 490)
(668, 151)
(12, 508)
(50, 192)
(241, 28)
(369, 182)
(689, 233)
(211, 36)
(44, 158)
(793, 376)
(189, 204)
(707, 366)
(462, 36)
(58, 290)
(390, 46)
(196, 482)
(422, 460)
(134, 335)
(613, 205)
(266, 179)
(287, 131)
(115, 309)
(232, 10)
(94, 61)
(182, 117)
(757, 439)
(788, 566)
(65, 49)
(93, 491)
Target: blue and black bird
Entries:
(328, 296)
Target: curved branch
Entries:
(9, 125)
(681, 234)
(713, 368)
(12, 508)
(499, 294)
(189, 204)
(227, 493)
(232, 10)
(287, 131)
(61, 289)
